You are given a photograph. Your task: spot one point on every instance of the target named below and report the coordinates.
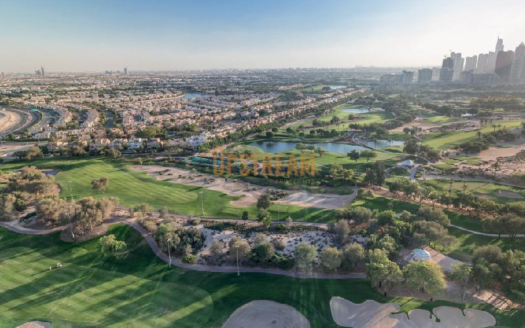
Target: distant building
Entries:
(448, 63)
(480, 79)
(458, 65)
(471, 63)
(499, 45)
(125, 71)
(504, 65)
(43, 72)
(446, 75)
(435, 73)
(424, 75)
(482, 63)
(517, 72)
(406, 77)
(466, 77)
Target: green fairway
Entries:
(141, 291)
(448, 140)
(134, 188)
(487, 189)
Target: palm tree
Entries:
(494, 126)
(479, 134)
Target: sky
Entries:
(99, 35)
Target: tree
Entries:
(354, 154)
(91, 212)
(433, 214)
(353, 254)
(368, 154)
(331, 258)
(100, 184)
(264, 201)
(320, 151)
(34, 152)
(426, 276)
(342, 229)
(263, 252)
(411, 147)
(386, 217)
(461, 273)
(245, 215)
(380, 270)
(240, 250)
(289, 222)
(388, 244)
(110, 246)
(216, 250)
(490, 253)
(510, 224)
(305, 256)
(51, 210)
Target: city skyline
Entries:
(204, 35)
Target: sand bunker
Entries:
(248, 192)
(35, 324)
(266, 314)
(493, 153)
(372, 314)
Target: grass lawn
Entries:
(134, 188)
(487, 189)
(438, 120)
(448, 140)
(141, 291)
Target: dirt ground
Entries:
(493, 153)
(249, 193)
(266, 314)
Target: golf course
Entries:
(140, 290)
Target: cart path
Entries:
(196, 267)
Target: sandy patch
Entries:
(306, 199)
(492, 153)
(248, 192)
(372, 314)
(266, 314)
(35, 324)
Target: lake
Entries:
(333, 147)
(193, 95)
(356, 110)
(337, 87)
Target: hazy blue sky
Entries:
(94, 35)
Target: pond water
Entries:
(193, 95)
(356, 110)
(333, 147)
(337, 87)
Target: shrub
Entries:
(189, 258)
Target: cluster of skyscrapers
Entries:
(497, 66)
(40, 72)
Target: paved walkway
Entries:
(196, 267)
(486, 234)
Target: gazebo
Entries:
(419, 254)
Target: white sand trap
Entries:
(35, 324)
(372, 314)
(306, 199)
(266, 314)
